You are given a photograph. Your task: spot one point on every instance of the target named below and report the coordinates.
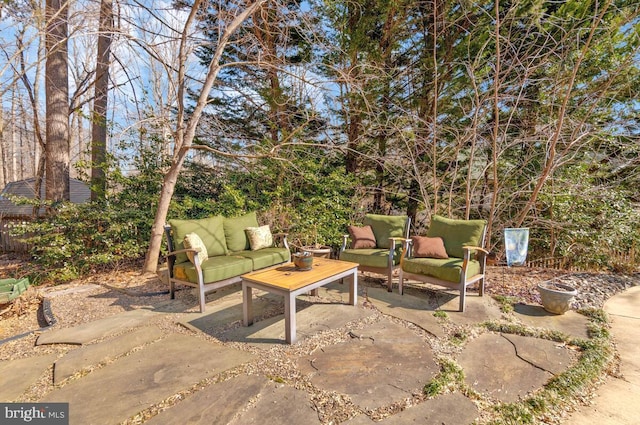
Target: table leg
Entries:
(290, 318)
(353, 288)
(247, 306)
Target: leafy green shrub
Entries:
(77, 239)
(590, 222)
(85, 237)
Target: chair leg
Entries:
(172, 288)
(463, 295)
(202, 298)
(400, 282)
(390, 280)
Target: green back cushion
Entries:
(209, 229)
(457, 233)
(385, 227)
(234, 233)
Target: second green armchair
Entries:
(452, 255)
(376, 245)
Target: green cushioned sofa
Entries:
(389, 231)
(461, 238)
(229, 253)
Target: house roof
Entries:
(79, 193)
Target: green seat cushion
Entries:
(457, 233)
(385, 227)
(445, 269)
(214, 269)
(234, 233)
(265, 257)
(370, 257)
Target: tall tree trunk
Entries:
(386, 53)
(185, 133)
(57, 92)
(436, 91)
(100, 102)
(353, 135)
(39, 158)
(352, 104)
(496, 126)
(3, 152)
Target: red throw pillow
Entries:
(362, 237)
(424, 246)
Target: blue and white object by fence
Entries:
(516, 245)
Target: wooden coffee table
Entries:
(290, 282)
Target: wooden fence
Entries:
(629, 258)
(9, 243)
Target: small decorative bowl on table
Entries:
(303, 260)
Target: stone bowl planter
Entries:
(556, 297)
(303, 260)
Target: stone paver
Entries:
(18, 375)
(382, 364)
(132, 383)
(570, 323)
(217, 403)
(91, 331)
(419, 309)
(338, 292)
(310, 320)
(224, 312)
(448, 409)
(543, 354)
(89, 355)
(279, 405)
(311, 317)
(416, 310)
(493, 366)
(361, 419)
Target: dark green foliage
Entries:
(594, 218)
(78, 239)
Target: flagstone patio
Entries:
(356, 365)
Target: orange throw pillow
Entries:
(424, 246)
(362, 237)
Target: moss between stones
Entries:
(596, 359)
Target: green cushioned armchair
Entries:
(464, 244)
(390, 232)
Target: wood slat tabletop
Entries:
(290, 278)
